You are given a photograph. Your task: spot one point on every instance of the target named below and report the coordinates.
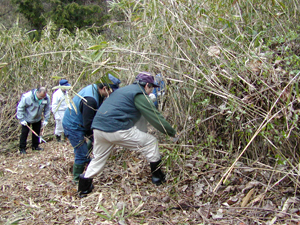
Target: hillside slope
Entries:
(37, 189)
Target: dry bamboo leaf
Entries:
(246, 198)
(251, 185)
(286, 205)
(218, 215)
(99, 200)
(255, 65)
(199, 189)
(258, 198)
(214, 51)
(232, 200)
(10, 171)
(131, 168)
(184, 187)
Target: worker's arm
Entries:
(152, 115)
(88, 109)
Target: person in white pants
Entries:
(59, 107)
(115, 124)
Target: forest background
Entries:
(231, 68)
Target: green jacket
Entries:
(123, 109)
(147, 108)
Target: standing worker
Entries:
(31, 107)
(59, 107)
(114, 124)
(77, 122)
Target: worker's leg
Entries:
(81, 153)
(101, 151)
(23, 137)
(35, 140)
(147, 144)
(135, 139)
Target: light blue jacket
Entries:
(30, 110)
(73, 119)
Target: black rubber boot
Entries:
(85, 186)
(58, 138)
(158, 177)
(22, 151)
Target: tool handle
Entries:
(32, 130)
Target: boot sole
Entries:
(83, 194)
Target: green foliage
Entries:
(65, 14)
(232, 67)
(33, 11)
(72, 15)
(28, 64)
(224, 96)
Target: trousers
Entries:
(77, 140)
(59, 115)
(133, 139)
(24, 134)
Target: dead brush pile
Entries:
(37, 188)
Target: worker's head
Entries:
(41, 93)
(146, 80)
(64, 82)
(105, 89)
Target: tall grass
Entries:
(28, 64)
(227, 60)
(232, 69)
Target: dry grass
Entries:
(233, 94)
(37, 189)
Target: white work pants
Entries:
(133, 139)
(59, 115)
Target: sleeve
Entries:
(47, 110)
(21, 109)
(152, 115)
(88, 110)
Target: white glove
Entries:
(152, 97)
(175, 139)
(44, 123)
(24, 123)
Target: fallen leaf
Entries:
(218, 215)
(258, 198)
(214, 51)
(247, 198)
(251, 185)
(232, 200)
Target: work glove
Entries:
(152, 97)
(175, 139)
(44, 124)
(24, 123)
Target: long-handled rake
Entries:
(40, 137)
